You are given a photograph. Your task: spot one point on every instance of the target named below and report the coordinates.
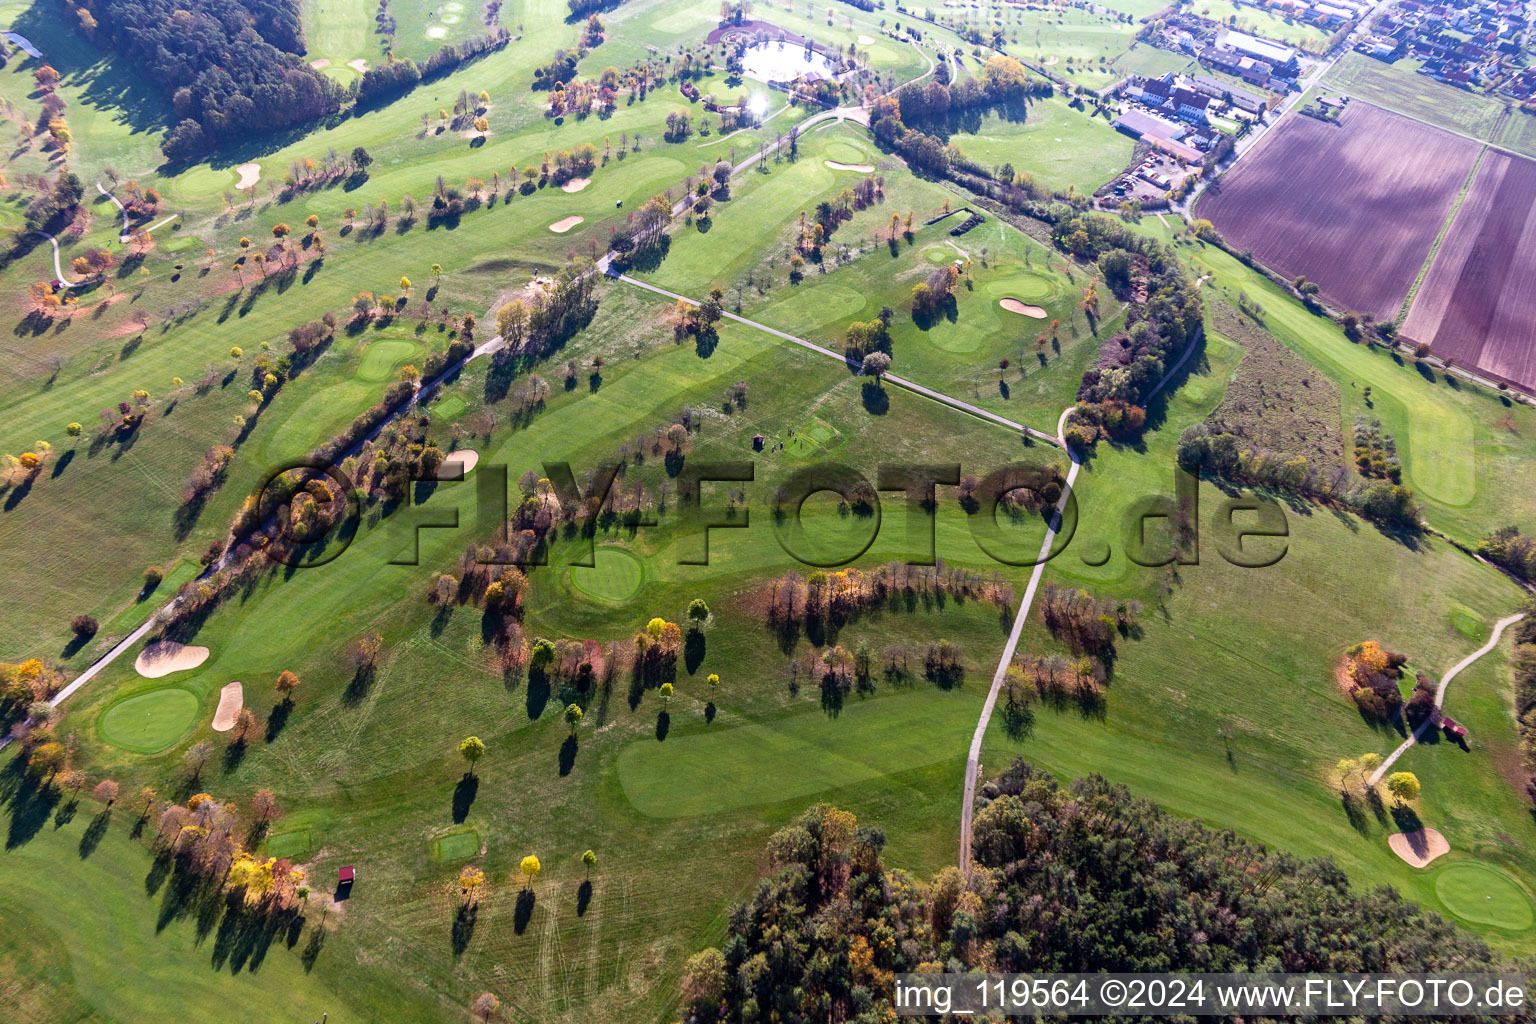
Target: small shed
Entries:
(1453, 729)
(757, 442)
(345, 876)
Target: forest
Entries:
(1081, 878)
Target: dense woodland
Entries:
(230, 68)
(1083, 878)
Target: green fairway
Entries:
(1482, 894)
(615, 578)
(382, 357)
(150, 722)
(1468, 624)
(1054, 144)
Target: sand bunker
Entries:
(465, 457)
(1051, 60)
(231, 700)
(437, 32)
(167, 656)
(1015, 306)
(865, 40)
(575, 185)
(560, 227)
(249, 175)
(1420, 847)
(360, 65)
(861, 168)
(323, 62)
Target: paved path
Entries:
(1445, 681)
(58, 271)
(123, 234)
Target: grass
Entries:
(1054, 144)
(616, 577)
(458, 845)
(1483, 894)
(1398, 87)
(1263, 23)
(150, 722)
(383, 356)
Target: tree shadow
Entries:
(1355, 812)
(278, 718)
(523, 912)
(583, 897)
(876, 401)
(234, 754)
(92, 836)
(464, 797)
(537, 695)
(463, 928)
(358, 687)
(1406, 818)
(663, 725)
(709, 712)
(693, 650)
(567, 755)
(312, 948)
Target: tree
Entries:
(471, 879)
(703, 981)
(666, 694)
(405, 284)
(589, 861)
(472, 750)
(197, 756)
(280, 230)
(530, 868)
(74, 430)
(437, 273)
(875, 365)
(245, 721)
(1403, 785)
(84, 626)
(106, 792)
(698, 612)
(264, 806)
(573, 716)
(485, 1006)
(512, 321)
(361, 159)
(287, 682)
(364, 652)
(714, 681)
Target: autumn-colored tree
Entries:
(530, 868)
(573, 715)
(105, 792)
(264, 806)
(589, 861)
(485, 1006)
(245, 721)
(698, 612)
(471, 881)
(312, 221)
(472, 749)
(512, 322)
(197, 755)
(1404, 786)
(287, 682)
(713, 681)
(364, 651)
(666, 694)
(280, 230)
(703, 982)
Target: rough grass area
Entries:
(1275, 401)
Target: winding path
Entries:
(1445, 681)
(123, 234)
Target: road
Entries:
(1445, 681)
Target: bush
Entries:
(84, 626)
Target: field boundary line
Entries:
(1445, 229)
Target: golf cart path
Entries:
(1445, 681)
(122, 235)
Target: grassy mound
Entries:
(150, 722)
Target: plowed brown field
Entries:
(1354, 206)
(1478, 303)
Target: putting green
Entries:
(957, 337)
(382, 357)
(940, 255)
(812, 440)
(181, 243)
(206, 181)
(846, 153)
(289, 845)
(1483, 894)
(616, 578)
(1026, 286)
(456, 845)
(149, 722)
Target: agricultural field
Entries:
(1474, 304)
(1399, 88)
(486, 749)
(1385, 178)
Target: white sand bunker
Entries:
(865, 40)
(861, 168)
(1420, 847)
(560, 227)
(436, 32)
(464, 457)
(231, 700)
(167, 656)
(575, 185)
(323, 62)
(359, 65)
(249, 175)
(1052, 60)
(1015, 306)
